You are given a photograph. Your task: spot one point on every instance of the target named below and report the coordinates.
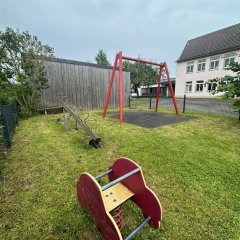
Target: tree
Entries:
(141, 74)
(229, 85)
(22, 72)
(101, 58)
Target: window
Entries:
(189, 67)
(229, 58)
(201, 65)
(188, 87)
(214, 63)
(212, 86)
(199, 86)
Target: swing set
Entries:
(118, 62)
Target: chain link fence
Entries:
(8, 123)
(206, 105)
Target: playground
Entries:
(193, 171)
(192, 166)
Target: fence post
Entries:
(15, 110)
(6, 128)
(150, 102)
(184, 103)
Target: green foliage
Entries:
(236, 104)
(101, 58)
(5, 97)
(22, 72)
(229, 85)
(141, 73)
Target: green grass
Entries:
(193, 167)
(137, 102)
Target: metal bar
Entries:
(103, 174)
(138, 228)
(171, 89)
(65, 122)
(120, 179)
(150, 102)
(120, 88)
(81, 123)
(110, 86)
(158, 89)
(142, 61)
(184, 103)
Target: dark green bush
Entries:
(5, 97)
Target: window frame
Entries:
(201, 63)
(227, 57)
(191, 65)
(187, 84)
(213, 85)
(198, 83)
(214, 60)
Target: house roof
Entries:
(217, 42)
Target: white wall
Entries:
(182, 77)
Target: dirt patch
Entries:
(151, 119)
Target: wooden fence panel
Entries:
(84, 84)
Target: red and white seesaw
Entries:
(104, 204)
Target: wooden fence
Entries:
(84, 84)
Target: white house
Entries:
(205, 58)
(152, 89)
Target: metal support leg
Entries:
(138, 228)
(77, 126)
(65, 122)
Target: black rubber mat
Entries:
(151, 119)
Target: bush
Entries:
(22, 71)
(5, 97)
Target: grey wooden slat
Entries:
(85, 85)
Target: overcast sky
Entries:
(156, 30)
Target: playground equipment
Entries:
(119, 58)
(95, 141)
(104, 204)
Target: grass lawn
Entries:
(193, 167)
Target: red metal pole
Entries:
(158, 89)
(171, 89)
(110, 86)
(142, 61)
(120, 88)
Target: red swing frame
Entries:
(118, 59)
